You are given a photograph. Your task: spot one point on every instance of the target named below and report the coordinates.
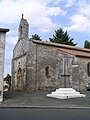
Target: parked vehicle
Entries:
(88, 86)
(5, 87)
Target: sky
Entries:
(44, 17)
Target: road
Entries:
(44, 114)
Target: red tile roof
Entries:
(76, 51)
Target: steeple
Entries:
(22, 15)
(23, 29)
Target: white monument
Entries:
(2, 54)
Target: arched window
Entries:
(47, 71)
(88, 69)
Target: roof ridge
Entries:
(61, 45)
(69, 52)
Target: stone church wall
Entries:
(17, 64)
(48, 56)
(31, 82)
(47, 59)
(83, 72)
(21, 48)
(43, 68)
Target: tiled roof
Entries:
(4, 30)
(76, 51)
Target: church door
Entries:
(20, 79)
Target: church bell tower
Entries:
(23, 29)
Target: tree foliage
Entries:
(36, 37)
(87, 44)
(62, 37)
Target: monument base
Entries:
(64, 93)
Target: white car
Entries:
(5, 86)
(88, 86)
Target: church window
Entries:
(47, 71)
(88, 69)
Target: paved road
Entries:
(44, 114)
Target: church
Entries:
(39, 65)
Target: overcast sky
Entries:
(44, 17)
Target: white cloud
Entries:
(80, 23)
(35, 11)
(54, 2)
(84, 8)
(69, 3)
(80, 20)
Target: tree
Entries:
(36, 37)
(87, 44)
(62, 37)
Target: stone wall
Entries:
(21, 48)
(47, 57)
(43, 67)
(83, 72)
(19, 62)
(31, 82)
(2, 54)
(42, 56)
